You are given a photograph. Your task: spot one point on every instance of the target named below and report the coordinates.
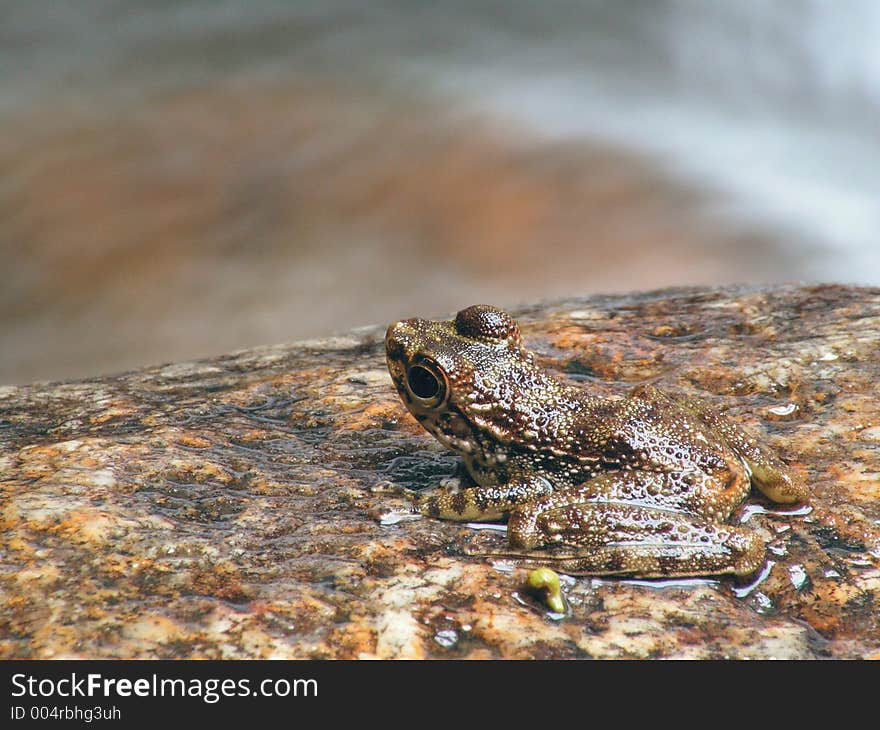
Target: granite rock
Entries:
(251, 506)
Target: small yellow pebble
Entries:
(546, 580)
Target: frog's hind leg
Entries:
(770, 474)
(646, 543)
(596, 532)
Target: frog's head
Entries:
(461, 375)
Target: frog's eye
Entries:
(426, 383)
(483, 322)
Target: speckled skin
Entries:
(641, 485)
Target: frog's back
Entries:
(650, 430)
(646, 430)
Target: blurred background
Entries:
(180, 179)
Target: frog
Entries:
(640, 485)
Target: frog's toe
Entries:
(523, 532)
(778, 483)
(747, 551)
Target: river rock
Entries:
(252, 505)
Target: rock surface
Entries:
(247, 506)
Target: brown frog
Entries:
(640, 485)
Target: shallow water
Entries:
(180, 181)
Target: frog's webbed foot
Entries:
(480, 504)
(596, 532)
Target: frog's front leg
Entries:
(482, 504)
(612, 526)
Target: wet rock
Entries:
(248, 506)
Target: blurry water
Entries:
(180, 179)
(774, 107)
